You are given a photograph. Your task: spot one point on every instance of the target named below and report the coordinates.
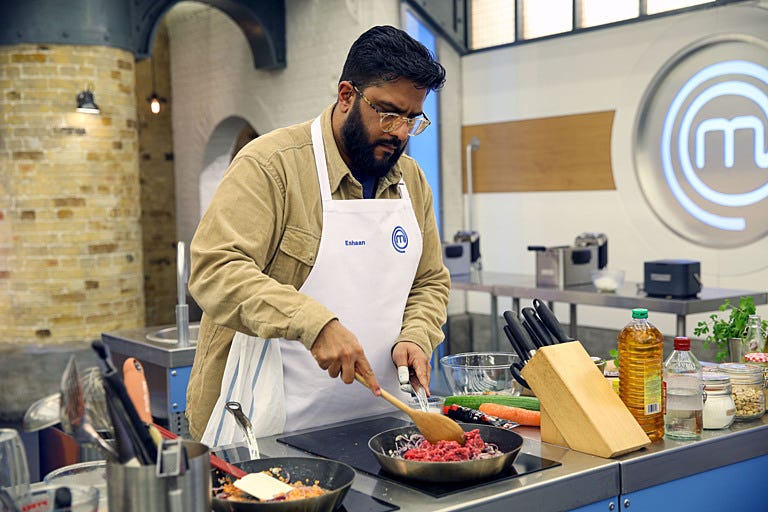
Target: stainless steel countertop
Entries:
(628, 296)
(581, 479)
(668, 460)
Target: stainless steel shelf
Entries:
(517, 286)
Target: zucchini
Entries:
(473, 401)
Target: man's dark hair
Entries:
(385, 53)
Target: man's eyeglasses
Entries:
(390, 121)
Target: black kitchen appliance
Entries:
(349, 444)
(677, 279)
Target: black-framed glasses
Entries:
(390, 121)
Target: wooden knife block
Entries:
(579, 408)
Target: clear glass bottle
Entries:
(753, 340)
(719, 408)
(748, 389)
(641, 352)
(683, 402)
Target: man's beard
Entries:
(355, 138)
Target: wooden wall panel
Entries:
(555, 153)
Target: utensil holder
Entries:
(138, 488)
(579, 408)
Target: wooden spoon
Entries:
(434, 427)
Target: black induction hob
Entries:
(349, 444)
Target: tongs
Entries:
(245, 425)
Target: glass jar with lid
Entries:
(719, 407)
(747, 389)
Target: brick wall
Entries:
(70, 246)
(158, 200)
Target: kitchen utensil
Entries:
(131, 433)
(74, 412)
(434, 427)
(479, 372)
(508, 442)
(519, 350)
(139, 488)
(172, 463)
(335, 477)
(550, 321)
(217, 462)
(519, 333)
(537, 327)
(245, 425)
(136, 386)
(531, 335)
(434, 404)
(14, 471)
(421, 396)
(43, 413)
(96, 401)
(515, 370)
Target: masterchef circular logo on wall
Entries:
(701, 142)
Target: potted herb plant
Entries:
(718, 330)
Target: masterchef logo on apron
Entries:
(399, 239)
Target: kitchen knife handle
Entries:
(519, 350)
(532, 335)
(538, 328)
(515, 369)
(520, 334)
(550, 321)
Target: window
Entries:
(602, 12)
(546, 17)
(657, 6)
(493, 23)
(499, 22)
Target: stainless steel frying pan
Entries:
(508, 442)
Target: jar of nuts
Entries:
(748, 389)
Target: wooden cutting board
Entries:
(579, 407)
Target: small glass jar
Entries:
(719, 408)
(760, 359)
(748, 389)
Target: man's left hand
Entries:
(407, 353)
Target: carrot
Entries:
(516, 414)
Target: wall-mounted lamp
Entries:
(85, 102)
(154, 103)
(154, 100)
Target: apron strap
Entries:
(322, 167)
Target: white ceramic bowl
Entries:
(480, 372)
(607, 281)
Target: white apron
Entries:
(368, 255)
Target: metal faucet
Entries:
(182, 309)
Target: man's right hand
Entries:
(337, 350)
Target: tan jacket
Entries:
(257, 243)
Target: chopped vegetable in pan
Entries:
(415, 447)
(228, 491)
